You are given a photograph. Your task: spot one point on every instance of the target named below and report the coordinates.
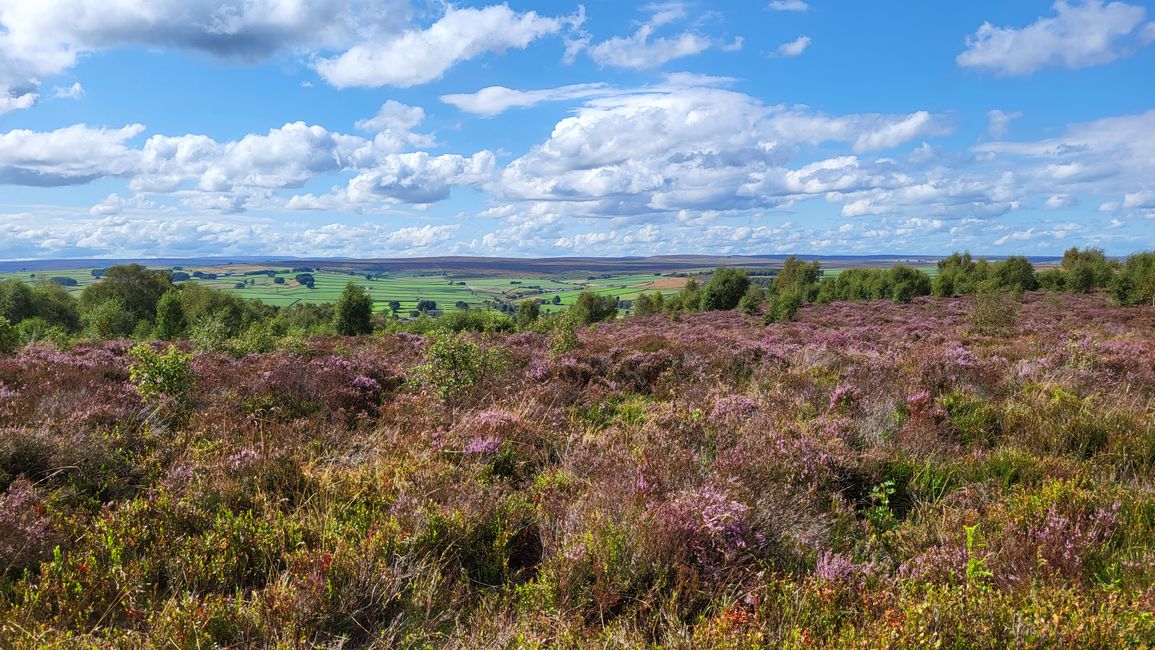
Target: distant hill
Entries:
(459, 264)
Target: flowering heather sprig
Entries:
(361, 382)
(483, 445)
(841, 568)
(922, 406)
(539, 370)
(711, 525)
(495, 419)
(733, 408)
(1065, 543)
(943, 563)
(843, 396)
(180, 474)
(243, 459)
(26, 533)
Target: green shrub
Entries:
(109, 320)
(783, 307)
(527, 312)
(9, 337)
(564, 338)
(752, 301)
(993, 313)
(454, 364)
(1052, 280)
(354, 312)
(38, 330)
(648, 304)
(170, 320)
(1015, 274)
(155, 375)
(1135, 283)
(688, 299)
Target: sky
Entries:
(398, 128)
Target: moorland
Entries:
(879, 457)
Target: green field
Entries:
(408, 287)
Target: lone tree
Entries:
(354, 312)
(725, 289)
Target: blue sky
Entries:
(161, 128)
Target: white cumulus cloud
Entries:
(422, 55)
(642, 50)
(1079, 35)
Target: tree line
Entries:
(131, 301)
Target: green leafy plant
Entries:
(564, 338)
(9, 337)
(454, 364)
(156, 375)
(977, 570)
(879, 514)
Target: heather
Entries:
(969, 471)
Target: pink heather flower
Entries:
(26, 532)
(483, 445)
(540, 370)
(735, 407)
(837, 567)
(575, 553)
(243, 459)
(366, 383)
(843, 395)
(918, 401)
(495, 419)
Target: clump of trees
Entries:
(1135, 282)
(131, 301)
(591, 308)
(900, 284)
(725, 289)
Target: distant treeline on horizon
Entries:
(131, 301)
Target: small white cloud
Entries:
(1078, 36)
(1059, 201)
(12, 99)
(639, 52)
(734, 45)
(393, 115)
(495, 100)
(75, 91)
(112, 204)
(789, 5)
(793, 48)
(999, 122)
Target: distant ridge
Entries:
(655, 263)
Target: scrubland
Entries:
(941, 473)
